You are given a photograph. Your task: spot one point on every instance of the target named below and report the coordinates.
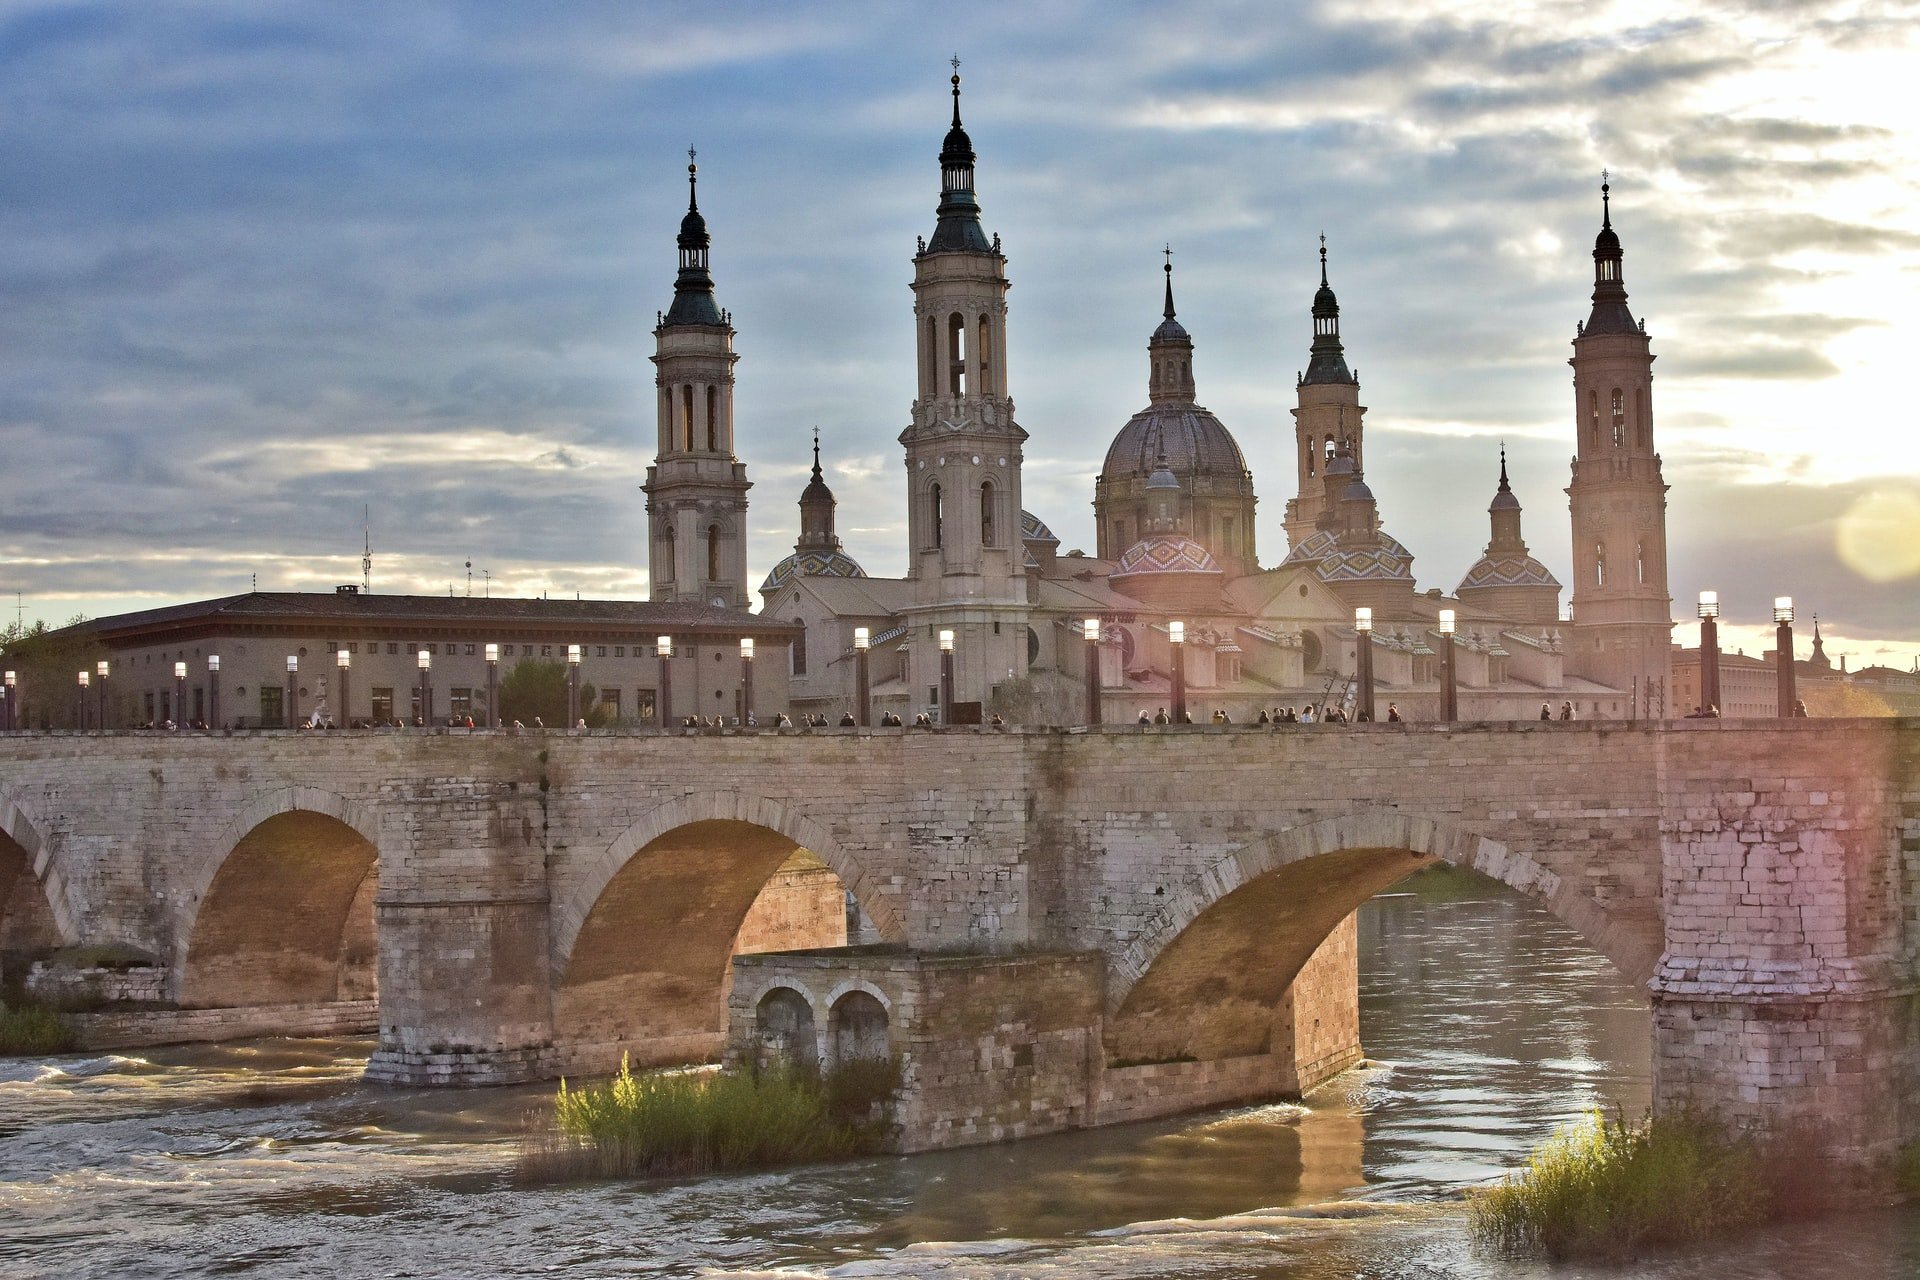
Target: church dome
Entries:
(1034, 529)
(1383, 559)
(1165, 553)
(1508, 571)
(812, 564)
(1193, 441)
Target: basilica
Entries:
(1025, 626)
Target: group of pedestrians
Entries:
(1566, 710)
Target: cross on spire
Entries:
(956, 90)
(1323, 258)
(1606, 208)
(1168, 251)
(816, 453)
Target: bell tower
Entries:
(696, 489)
(1329, 415)
(963, 448)
(1622, 612)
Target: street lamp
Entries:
(862, 641)
(425, 660)
(213, 690)
(293, 690)
(85, 680)
(1783, 646)
(1177, 634)
(573, 685)
(179, 693)
(493, 686)
(746, 679)
(344, 661)
(663, 648)
(1363, 659)
(1709, 650)
(1449, 680)
(101, 668)
(1090, 632)
(946, 677)
(13, 695)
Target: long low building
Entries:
(266, 659)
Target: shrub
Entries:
(1608, 1189)
(32, 1028)
(675, 1123)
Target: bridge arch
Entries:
(279, 909)
(643, 942)
(1204, 979)
(35, 916)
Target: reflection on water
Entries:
(1486, 1024)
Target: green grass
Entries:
(676, 1123)
(1610, 1189)
(29, 1028)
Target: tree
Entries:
(1833, 699)
(48, 662)
(538, 687)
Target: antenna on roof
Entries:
(366, 549)
(469, 577)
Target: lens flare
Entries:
(1879, 536)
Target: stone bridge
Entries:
(1063, 927)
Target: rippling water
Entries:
(1486, 1024)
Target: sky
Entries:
(265, 267)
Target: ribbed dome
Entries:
(1165, 553)
(1034, 529)
(1606, 244)
(812, 564)
(1385, 559)
(1509, 571)
(1194, 441)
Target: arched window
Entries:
(713, 419)
(799, 649)
(1645, 421)
(937, 515)
(666, 554)
(956, 354)
(1593, 419)
(1599, 565)
(713, 553)
(989, 530)
(1640, 561)
(930, 358)
(1619, 419)
(1329, 452)
(784, 1026)
(857, 1029)
(686, 418)
(1307, 450)
(983, 356)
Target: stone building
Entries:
(1174, 506)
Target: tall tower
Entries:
(1622, 614)
(963, 448)
(1329, 414)
(696, 490)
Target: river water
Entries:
(1487, 1023)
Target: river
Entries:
(1486, 1023)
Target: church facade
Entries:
(1175, 538)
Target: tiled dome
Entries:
(1034, 529)
(813, 564)
(1165, 553)
(1386, 558)
(1509, 571)
(1193, 441)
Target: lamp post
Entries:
(1363, 658)
(293, 690)
(344, 661)
(425, 660)
(746, 679)
(573, 685)
(1090, 632)
(663, 648)
(179, 694)
(1177, 636)
(1449, 680)
(1783, 643)
(100, 670)
(493, 686)
(862, 641)
(1709, 650)
(82, 699)
(213, 691)
(946, 677)
(13, 696)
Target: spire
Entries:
(1819, 656)
(1170, 352)
(1610, 313)
(817, 510)
(1329, 361)
(1505, 513)
(958, 230)
(693, 300)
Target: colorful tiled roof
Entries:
(1385, 558)
(813, 564)
(1165, 553)
(1509, 571)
